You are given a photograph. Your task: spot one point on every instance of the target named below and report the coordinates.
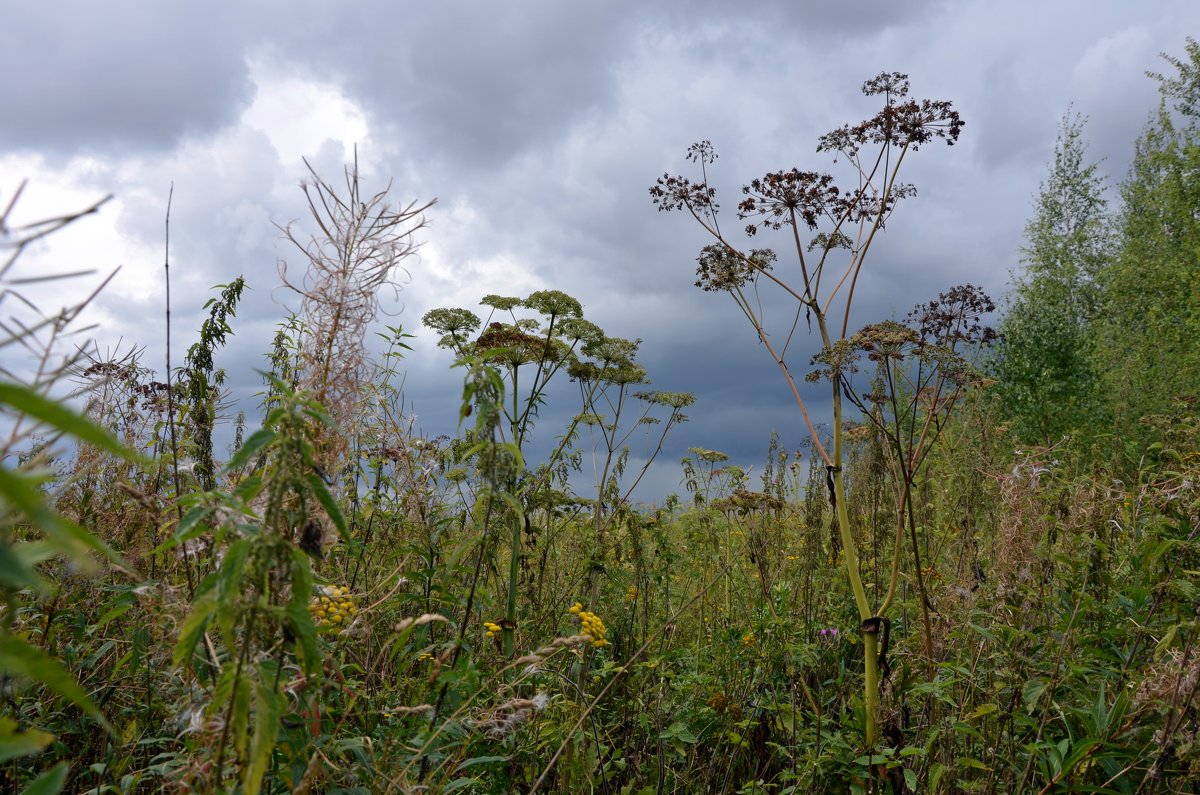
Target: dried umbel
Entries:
(721, 267)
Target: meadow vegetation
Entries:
(982, 576)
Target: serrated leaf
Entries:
(267, 709)
(250, 448)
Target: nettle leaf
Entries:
(63, 418)
(193, 629)
(268, 707)
(297, 615)
(250, 448)
(324, 496)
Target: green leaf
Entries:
(910, 779)
(978, 712)
(967, 761)
(325, 497)
(298, 617)
(49, 783)
(267, 709)
(250, 448)
(480, 760)
(189, 526)
(15, 573)
(18, 657)
(193, 629)
(1032, 693)
(15, 743)
(58, 415)
(679, 731)
(935, 775)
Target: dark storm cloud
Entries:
(540, 126)
(122, 75)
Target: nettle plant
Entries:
(832, 227)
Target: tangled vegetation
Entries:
(983, 576)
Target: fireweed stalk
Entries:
(843, 221)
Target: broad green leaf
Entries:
(18, 657)
(14, 743)
(49, 783)
(250, 448)
(325, 497)
(58, 415)
(192, 630)
(980, 711)
(191, 522)
(267, 709)
(1032, 693)
(679, 731)
(480, 760)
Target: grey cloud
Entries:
(121, 75)
(549, 121)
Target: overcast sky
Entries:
(538, 126)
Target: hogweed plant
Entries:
(923, 368)
(529, 353)
(832, 228)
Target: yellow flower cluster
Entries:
(333, 607)
(930, 573)
(631, 594)
(590, 625)
(493, 629)
(748, 640)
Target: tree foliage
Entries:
(1047, 374)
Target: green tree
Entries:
(1048, 379)
(1149, 316)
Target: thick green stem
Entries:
(850, 551)
(871, 683)
(510, 624)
